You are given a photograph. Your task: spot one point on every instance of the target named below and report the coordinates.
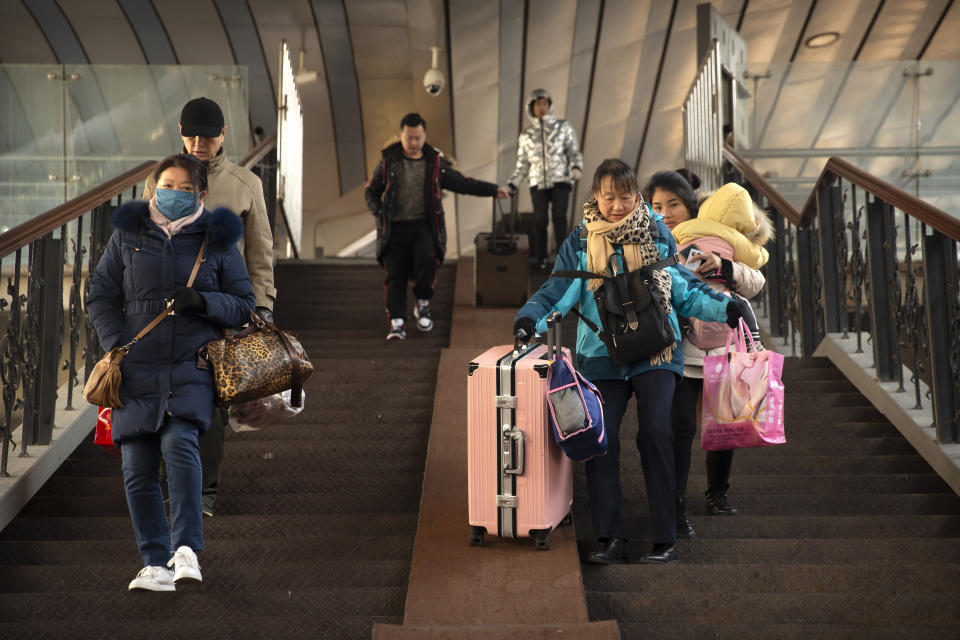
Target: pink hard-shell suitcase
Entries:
(519, 482)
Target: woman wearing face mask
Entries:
(167, 400)
(730, 232)
(617, 220)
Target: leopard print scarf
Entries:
(639, 250)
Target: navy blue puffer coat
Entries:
(139, 270)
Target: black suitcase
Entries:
(518, 223)
(501, 271)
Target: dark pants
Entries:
(176, 443)
(684, 421)
(410, 255)
(654, 393)
(557, 196)
(211, 454)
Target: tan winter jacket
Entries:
(241, 191)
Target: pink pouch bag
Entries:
(742, 396)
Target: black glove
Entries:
(512, 188)
(524, 328)
(188, 299)
(266, 314)
(739, 308)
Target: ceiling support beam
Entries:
(344, 89)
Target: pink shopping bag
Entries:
(742, 396)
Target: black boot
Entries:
(717, 504)
(613, 551)
(661, 554)
(684, 527)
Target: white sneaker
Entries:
(153, 579)
(422, 313)
(185, 565)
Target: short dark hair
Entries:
(677, 184)
(620, 174)
(413, 120)
(196, 169)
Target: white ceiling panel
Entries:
(104, 31)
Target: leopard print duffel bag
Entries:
(255, 363)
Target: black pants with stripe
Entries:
(410, 255)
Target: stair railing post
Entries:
(43, 341)
(99, 236)
(808, 283)
(829, 210)
(775, 282)
(943, 322)
(880, 246)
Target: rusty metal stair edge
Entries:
(916, 426)
(603, 630)
(29, 474)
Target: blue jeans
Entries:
(177, 441)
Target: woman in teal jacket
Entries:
(617, 220)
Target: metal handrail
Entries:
(760, 183)
(838, 261)
(840, 168)
(258, 152)
(34, 229)
(911, 205)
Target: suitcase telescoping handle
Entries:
(554, 341)
(503, 245)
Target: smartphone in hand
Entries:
(692, 259)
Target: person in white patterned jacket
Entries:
(549, 158)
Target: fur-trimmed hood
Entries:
(222, 226)
(731, 216)
(731, 205)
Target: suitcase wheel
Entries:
(541, 539)
(567, 519)
(476, 536)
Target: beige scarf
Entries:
(639, 250)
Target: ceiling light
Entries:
(824, 39)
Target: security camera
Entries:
(433, 80)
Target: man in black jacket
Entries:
(405, 193)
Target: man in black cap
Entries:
(240, 190)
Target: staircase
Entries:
(316, 517)
(845, 531)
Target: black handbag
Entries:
(631, 308)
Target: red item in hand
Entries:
(103, 435)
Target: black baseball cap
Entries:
(201, 117)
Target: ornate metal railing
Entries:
(51, 258)
(31, 350)
(863, 256)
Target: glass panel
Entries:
(122, 115)
(65, 130)
(892, 119)
(31, 142)
(940, 127)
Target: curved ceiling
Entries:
(618, 69)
